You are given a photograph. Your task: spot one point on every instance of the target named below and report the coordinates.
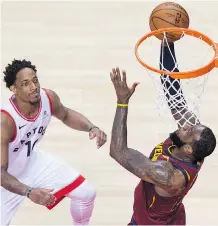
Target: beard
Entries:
(35, 102)
(176, 140)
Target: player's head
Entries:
(20, 77)
(197, 141)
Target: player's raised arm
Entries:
(161, 173)
(75, 120)
(172, 89)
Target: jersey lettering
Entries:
(29, 148)
(41, 131)
(157, 151)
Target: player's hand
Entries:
(101, 137)
(42, 196)
(122, 90)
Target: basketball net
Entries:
(179, 94)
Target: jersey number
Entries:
(30, 147)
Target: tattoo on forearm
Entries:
(160, 172)
(11, 184)
(130, 159)
(119, 132)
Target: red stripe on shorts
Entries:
(61, 194)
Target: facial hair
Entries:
(176, 140)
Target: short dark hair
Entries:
(205, 145)
(12, 69)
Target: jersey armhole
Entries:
(15, 127)
(184, 172)
(49, 99)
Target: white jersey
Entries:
(28, 132)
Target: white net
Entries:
(180, 98)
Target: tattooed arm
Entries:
(7, 180)
(160, 173)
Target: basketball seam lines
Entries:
(164, 21)
(167, 35)
(170, 9)
(156, 28)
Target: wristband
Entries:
(28, 192)
(122, 105)
(94, 127)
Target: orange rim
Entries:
(181, 75)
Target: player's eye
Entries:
(35, 80)
(25, 84)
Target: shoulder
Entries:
(166, 176)
(8, 125)
(55, 102)
(51, 94)
(53, 97)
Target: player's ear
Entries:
(13, 89)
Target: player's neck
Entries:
(26, 108)
(178, 154)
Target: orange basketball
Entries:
(169, 14)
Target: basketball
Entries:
(169, 14)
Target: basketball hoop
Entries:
(181, 75)
(191, 81)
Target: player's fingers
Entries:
(48, 190)
(124, 77)
(49, 199)
(48, 203)
(103, 139)
(112, 76)
(98, 140)
(134, 86)
(118, 74)
(116, 77)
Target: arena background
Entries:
(74, 46)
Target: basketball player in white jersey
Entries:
(27, 172)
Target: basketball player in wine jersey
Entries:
(27, 172)
(172, 167)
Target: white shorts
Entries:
(44, 171)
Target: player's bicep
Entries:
(159, 173)
(7, 134)
(58, 109)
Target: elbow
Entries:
(113, 151)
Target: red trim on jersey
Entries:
(49, 98)
(60, 195)
(15, 127)
(22, 115)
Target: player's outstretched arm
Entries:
(172, 89)
(75, 120)
(161, 173)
